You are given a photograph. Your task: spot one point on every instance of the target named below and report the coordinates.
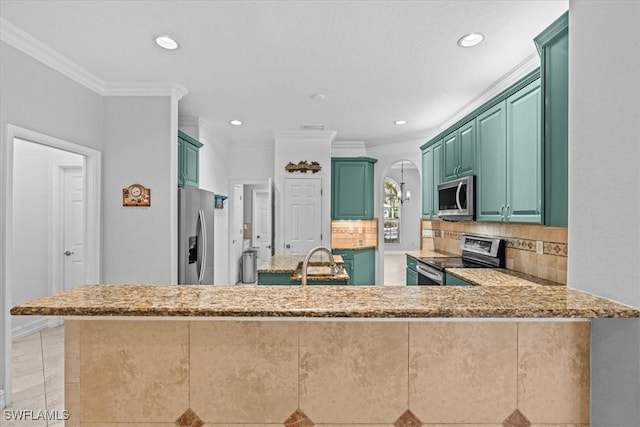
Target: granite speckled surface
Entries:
(430, 253)
(326, 301)
(499, 277)
(289, 264)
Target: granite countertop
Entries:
(288, 264)
(499, 277)
(429, 253)
(327, 302)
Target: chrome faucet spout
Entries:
(305, 263)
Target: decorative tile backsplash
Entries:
(354, 234)
(532, 249)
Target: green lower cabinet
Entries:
(451, 280)
(285, 279)
(362, 264)
(412, 273)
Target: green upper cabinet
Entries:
(459, 151)
(524, 155)
(352, 187)
(509, 158)
(188, 160)
(492, 164)
(431, 177)
(553, 46)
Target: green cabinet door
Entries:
(524, 155)
(466, 149)
(188, 160)
(553, 46)
(360, 265)
(352, 188)
(437, 175)
(450, 161)
(427, 182)
(431, 177)
(459, 152)
(492, 163)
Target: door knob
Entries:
(68, 253)
(288, 246)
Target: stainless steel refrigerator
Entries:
(195, 236)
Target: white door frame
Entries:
(56, 231)
(92, 166)
(266, 181)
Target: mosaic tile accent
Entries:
(298, 419)
(189, 419)
(408, 419)
(558, 249)
(516, 419)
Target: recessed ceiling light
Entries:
(317, 97)
(236, 122)
(470, 40)
(166, 42)
(400, 122)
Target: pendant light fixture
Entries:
(404, 196)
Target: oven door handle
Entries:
(428, 273)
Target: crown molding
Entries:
(29, 45)
(144, 89)
(529, 64)
(33, 47)
(305, 134)
(349, 144)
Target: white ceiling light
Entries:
(167, 42)
(318, 97)
(470, 40)
(400, 122)
(236, 122)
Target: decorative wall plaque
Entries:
(136, 195)
(303, 166)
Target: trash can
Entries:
(249, 265)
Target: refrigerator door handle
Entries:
(203, 261)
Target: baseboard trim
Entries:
(29, 328)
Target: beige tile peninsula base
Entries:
(185, 372)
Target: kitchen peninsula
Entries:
(292, 355)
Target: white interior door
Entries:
(235, 234)
(302, 214)
(262, 208)
(73, 230)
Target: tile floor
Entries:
(38, 377)
(395, 270)
(38, 362)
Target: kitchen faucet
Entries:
(305, 263)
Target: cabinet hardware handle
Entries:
(501, 212)
(539, 207)
(508, 214)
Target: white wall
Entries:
(33, 171)
(38, 98)
(410, 211)
(604, 193)
(139, 147)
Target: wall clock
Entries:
(136, 195)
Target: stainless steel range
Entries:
(477, 252)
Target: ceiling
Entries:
(260, 61)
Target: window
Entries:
(391, 211)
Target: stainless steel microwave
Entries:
(456, 199)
